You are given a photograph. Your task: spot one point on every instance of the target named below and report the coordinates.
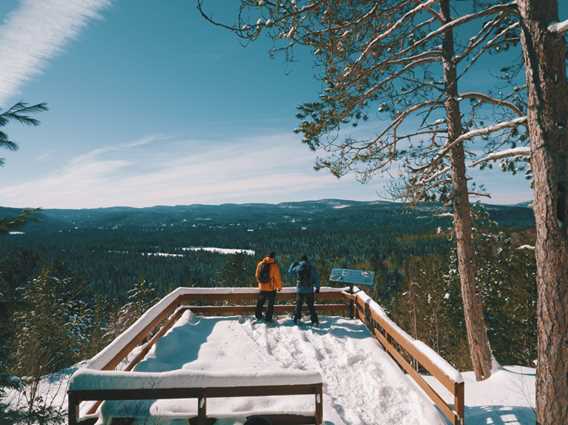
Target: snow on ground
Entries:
(507, 398)
(362, 385)
(510, 392)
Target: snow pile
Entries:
(526, 247)
(508, 397)
(362, 384)
(111, 350)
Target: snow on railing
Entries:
(404, 349)
(407, 351)
(90, 379)
(122, 345)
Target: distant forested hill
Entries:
(111, 248)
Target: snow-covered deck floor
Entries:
(362, 384)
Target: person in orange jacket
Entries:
(269, 281)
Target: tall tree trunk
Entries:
(479, 349)
(544, 55)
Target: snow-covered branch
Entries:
(506, 153)
(427, 179)
(559, 27)
(478, 132)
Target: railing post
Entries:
(319, 405)
(351, 302)
(72, 409)
(202, 409)
(459, 395)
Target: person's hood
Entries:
(269, 260)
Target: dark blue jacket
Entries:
(314, 277)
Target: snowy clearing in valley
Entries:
(227, 251)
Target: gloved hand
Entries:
(317, 291)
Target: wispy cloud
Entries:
(35, 32)
(160, 170)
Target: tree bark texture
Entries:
(478, 341)
(544, 56)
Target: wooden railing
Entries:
(149, 328)
(75, 397)
(413, 356)
(405, 351)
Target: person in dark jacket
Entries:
(269, 281)
(307, 284)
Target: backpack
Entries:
(264, 273)
(304, 274)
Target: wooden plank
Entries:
(244, 298)
(193, 392)
(202, 410)
(289, 419)
(239, 310)
(420, 357)
(142, 353)
(459, 401)
(319, 406)
(434, 396)
(135, 341)
(72, 409)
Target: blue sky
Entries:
(151, 105)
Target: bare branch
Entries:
(482, 97)
(392, 28)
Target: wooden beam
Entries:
(193, 392)
(136, 340)
(417, 355)
(240, 310)
(434, 396)
(142, 353)
(334, 296)
(459, 401)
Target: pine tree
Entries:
(544, 52)
(141, 297)
(20, 112)
(400, 58)
(44, 340)
(238, 270)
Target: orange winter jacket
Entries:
(275, 283)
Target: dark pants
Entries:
(309, 299)
(264, 296)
